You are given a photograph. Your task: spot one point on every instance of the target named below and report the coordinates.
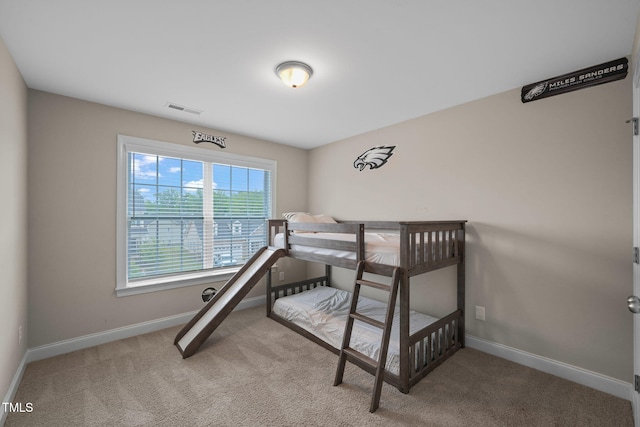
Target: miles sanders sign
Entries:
(603, 73)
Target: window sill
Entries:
(155, 285)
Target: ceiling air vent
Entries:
(183, 108)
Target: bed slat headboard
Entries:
(427, 246)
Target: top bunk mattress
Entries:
(379, 248)
(323, 312)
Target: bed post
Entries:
(273, 226)
(360, 243)
(461, 284)
(270, 233)
(269, 293)
(404, 310)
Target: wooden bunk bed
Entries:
(423, 246)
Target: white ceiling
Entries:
(375, 62)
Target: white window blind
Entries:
(190, 213)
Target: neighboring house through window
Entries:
(187, 215)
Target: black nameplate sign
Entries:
(587, 77)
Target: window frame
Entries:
(127, 144)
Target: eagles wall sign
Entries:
(603, 73)
(374, 157)
(199, 137)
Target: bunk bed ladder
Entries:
(354, 356)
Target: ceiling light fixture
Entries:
(293, 73)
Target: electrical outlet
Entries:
(20, 335)
(281, 276)
(479, 313)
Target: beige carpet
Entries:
(255, 372)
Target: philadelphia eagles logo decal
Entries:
(536, 91)
(374, 157)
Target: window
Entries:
(187, 215)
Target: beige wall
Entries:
(72, 215)
(13, 224)
(547, 190)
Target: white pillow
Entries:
(288, 215)
(324, 219)
(300, 217)
(305, 217)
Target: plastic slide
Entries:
(191, 337)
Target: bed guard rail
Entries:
(301, 234)
(424, 245)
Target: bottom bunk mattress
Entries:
(323, 312)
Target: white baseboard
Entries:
(615, 387)
(13, 387)
(86, 341)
